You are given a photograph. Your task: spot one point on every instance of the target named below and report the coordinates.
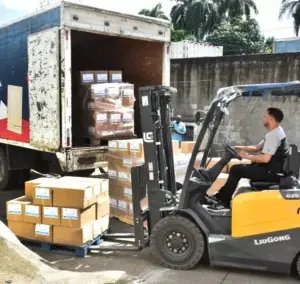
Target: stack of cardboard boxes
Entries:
(108, 105)
(67, 211)
(125, 154)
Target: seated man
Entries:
(273, 152)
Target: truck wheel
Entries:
(4, 173)
(177, 243)
(296, 266)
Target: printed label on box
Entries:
(115, 117)
(116, 77)
(42, 193)
(127, 116)
(113, 202)
(112, 174)
(97, 228)
(91, 105)
(122, 205)
(112, 145)
(127, 163)
(88, 193)
(128, 191)
(102, 77)
(105, 188)
(15, 209)
(102, 117)
(41, 229)
(31, 210)
(97, 189)
(134, 147)
(123, 145)
(128, 92)
(70, 214)
(87, 78)
(123, 176)
(51, 212)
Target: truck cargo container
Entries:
(41, 56)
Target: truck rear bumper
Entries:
(78, 159)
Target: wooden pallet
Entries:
(127, 221)
(78, 251)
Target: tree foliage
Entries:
(291, 8)
(155, 12)
(238, 36)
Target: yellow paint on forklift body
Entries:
(263, 212)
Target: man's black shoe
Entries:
(218, 208)
(209, 200)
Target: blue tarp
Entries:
(271, 86)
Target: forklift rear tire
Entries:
(4, 172)
(177, 243)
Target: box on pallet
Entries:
(109, 110)
(76, 217)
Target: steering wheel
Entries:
(233, 152)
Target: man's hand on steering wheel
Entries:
(232, 151)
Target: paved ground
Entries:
(142, 267)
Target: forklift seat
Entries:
(291, 168)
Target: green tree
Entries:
(238, 36)
(269, 45)
(180, 35)
(237, 8)
(291, 8)
(198, 17)
(155, 12)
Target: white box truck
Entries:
(41, 56)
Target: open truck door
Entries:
(44, 94)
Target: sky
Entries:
(267, 17)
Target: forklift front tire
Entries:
(177, 243)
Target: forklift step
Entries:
(218, 238)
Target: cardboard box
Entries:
(216, 186)
(102, 208)
(81, 193)
(43, 194)
(115, 76)
(33, 214)
(237, 162)
(73, 236)
(87, 77)
(187, 147)
(100, 226)
(15, 209)
(43, 233)
(114, 212)
(176, 148)
(101, 76)
(51, 216)
(136, 148)
(76, 218)
(123, 148)
(30, 186)
(100, 185)
(22, 230)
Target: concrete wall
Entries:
(198, 80)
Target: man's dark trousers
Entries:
(237, 172)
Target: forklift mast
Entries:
(156, 123)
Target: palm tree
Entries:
(155, 12)
(196, 16)
(237, 8)
(291, 8)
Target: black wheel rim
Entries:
(177, 245)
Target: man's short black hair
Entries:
(276, 113)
